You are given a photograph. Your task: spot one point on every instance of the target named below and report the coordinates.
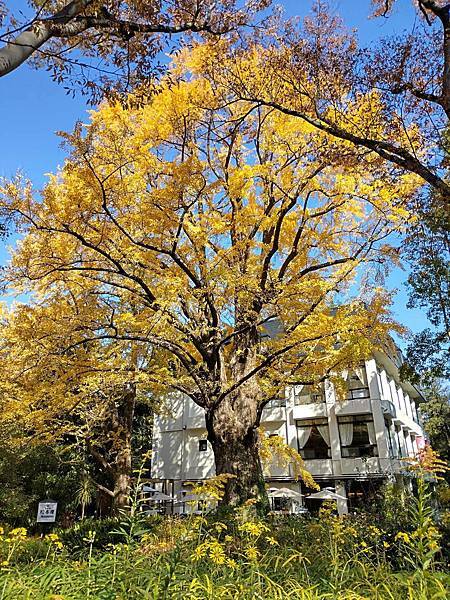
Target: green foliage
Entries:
(427, 250)
(32, 474)
(239, 556)
(436, 412)
(73, 538)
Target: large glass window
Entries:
(357, 384)
(308, 394)
(357, 434)
(313, 438)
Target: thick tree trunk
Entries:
(122, 425)
(122, 476)
(240, 457)
(233, 433)
(113, 448)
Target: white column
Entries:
(408, 407)
(395, 398)
(414, 410)
(291, 429)
(401, 437)
(386, 390)
(395, 448)
(372, 379)
(335, 443)
(377, 413)
(409, 444)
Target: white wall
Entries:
(179, 428)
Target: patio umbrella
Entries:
(286, 493)
(160, 496)
(326, 495)
(148, 488)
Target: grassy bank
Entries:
(238, 556)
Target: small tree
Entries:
(83, 398)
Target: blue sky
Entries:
(33, 108)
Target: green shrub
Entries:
(106, 531)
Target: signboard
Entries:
(47, 511)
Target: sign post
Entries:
(46, 512)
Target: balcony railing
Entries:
(366, 450)
(309, 399)
(358, 393)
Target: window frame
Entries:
(357, 451)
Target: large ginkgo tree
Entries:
(231, 238)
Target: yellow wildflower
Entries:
(272, 541)
(216, 553)
(232, 563)
(90, 537)
(19, 532)
(219, 527)
(199, 552)
(253, 528)
(433, 545)
(252, 553)
(404, 537)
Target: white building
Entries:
(351, 445)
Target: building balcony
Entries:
(274, 411)
(388, 408)
(360, 466)
(274, 470)
(310, 411)
(356, 406)
(405, 421)
(319, 467)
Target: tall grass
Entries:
(236, 555)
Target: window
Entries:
(280, 504)
(392, 445)
(309, 394)
(313, 438)
(202, 445)
(357, 434)
(357, 384)
(400, 443)
(357, 393)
